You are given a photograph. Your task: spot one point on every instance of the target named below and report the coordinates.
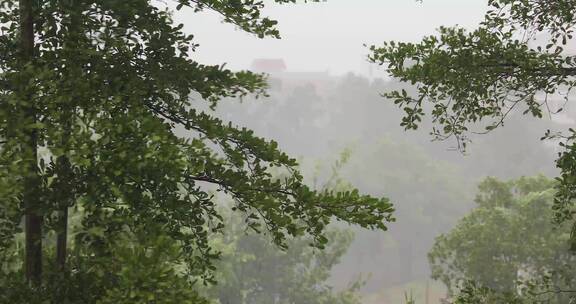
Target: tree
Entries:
(517, 61)
(252, 270)
(351, 115)
(96, 113)
(507, 244)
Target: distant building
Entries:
(281, 79)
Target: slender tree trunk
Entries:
(32, 181)
(65, 196)
(65, 171)
(62, 238)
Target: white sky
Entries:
(327, 36)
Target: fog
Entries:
(327, 36)
(314, 152)
(325, 101)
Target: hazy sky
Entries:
(329, 35)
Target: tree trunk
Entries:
(65, 172)
(62, 238)
(65, 196)
(32, 181)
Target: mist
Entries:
(228, 168)
(325, 100)
(326, 36)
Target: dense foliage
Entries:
(252, 270)
(433, 187)
(144, 268)
(517, 61)
(98, 113)
(507, 247)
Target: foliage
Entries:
(383, 160)
(137, 269)
(409, 299)
(506, 245)
(252, 270)
(245, 14)
(107, 88)
(517, 59)
(470, 77)
(472, 293)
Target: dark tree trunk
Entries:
(65, 171)
(61, 239)
(64, 198)
(32, 181)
